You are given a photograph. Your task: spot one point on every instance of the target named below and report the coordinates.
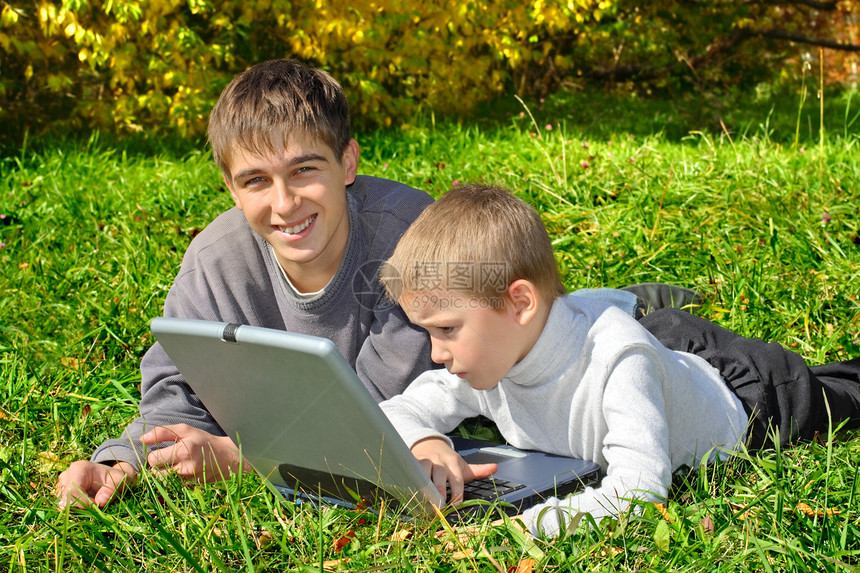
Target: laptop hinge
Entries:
(229, 332)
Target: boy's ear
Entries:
(524, 300)
(350, 161)
(232, 194)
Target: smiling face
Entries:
(295, 198)
(478, 343)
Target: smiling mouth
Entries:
(300, 227)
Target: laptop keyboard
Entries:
(488, 488)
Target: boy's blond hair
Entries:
(267, 104)
(475, 240)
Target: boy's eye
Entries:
(446, 330)
(252, 181)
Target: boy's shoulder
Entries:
(605, 322)
(223, 242)
(375, 195)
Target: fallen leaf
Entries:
(817, 437)
(466, 553)
(662, 509)
(264, 539)
(333, 563)
(361, 504)
(344, 540)
(401, 534)
(707, 524)
(806, 510)
(524, 566)
(458, 538)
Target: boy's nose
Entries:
(284, 200)
(438, 353)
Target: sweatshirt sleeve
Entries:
(433, 405)
(222, 279)
(394, 353)
(166, 398)
(636, 448)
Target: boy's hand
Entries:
(86, 482)
(445, 466)
(194, 455)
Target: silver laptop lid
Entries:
(304, 394)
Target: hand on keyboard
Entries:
(447, 470)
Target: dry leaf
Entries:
(401, 534)
(809, 512)
(662, 509)
(333, 563)
(460, 538)
(264, 539)
(524, 566)
(707, 524)
(344, 540)
(463, 554)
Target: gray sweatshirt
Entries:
(230, 274)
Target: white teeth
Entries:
(300, 227)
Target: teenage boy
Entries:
(299, 252)
(574, 376)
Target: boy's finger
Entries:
(159, 434)
(480, 471)
(104, 494)
(163, 458)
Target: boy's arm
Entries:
(636, 448)
(166, 400)
(429, 408)
(433, 405)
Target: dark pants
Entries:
(779, 392)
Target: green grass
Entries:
(631, 191)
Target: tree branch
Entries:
(780, 34)
(823, 6)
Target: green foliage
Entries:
(159, 65)
(153, 64)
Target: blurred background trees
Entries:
(159, 65)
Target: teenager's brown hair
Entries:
(476, 240)
(265, 105)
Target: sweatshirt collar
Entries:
(551, 354)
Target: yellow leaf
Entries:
(465, 554)
(333, 563)
(662, 509)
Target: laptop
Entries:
(305, 422)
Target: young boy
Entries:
(299, 252)
(574, 376)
